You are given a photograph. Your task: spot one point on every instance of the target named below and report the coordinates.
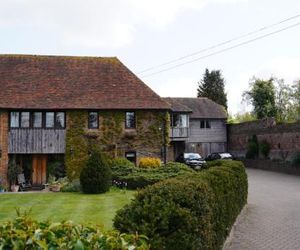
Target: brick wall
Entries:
(3, 145)
(284, 139)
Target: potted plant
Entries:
(54, 185)
(12, 174)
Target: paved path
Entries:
(271, 219)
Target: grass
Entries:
(81, 208)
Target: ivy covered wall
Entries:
(150, 137)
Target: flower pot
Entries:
(54, 188)
(14, 188)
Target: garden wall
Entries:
(276, 166)
(284, 139)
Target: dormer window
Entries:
(130, 122)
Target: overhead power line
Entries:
(223, 50)
(220, 44)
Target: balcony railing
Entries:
(179, 132)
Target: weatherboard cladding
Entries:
(64, 82)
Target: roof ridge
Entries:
(59, 56)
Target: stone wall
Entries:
(284, 139)
(3, 146)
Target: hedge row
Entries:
(133, 177)
(26, 233)
(191, 211)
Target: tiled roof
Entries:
(176, 105)
(65, 82)
(201, 107)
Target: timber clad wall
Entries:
(37, 141)
(217, 132)
(3, 145)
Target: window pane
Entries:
(25, 119)
(14, 119)
(60, 120)
(93, 119)
(37, 119)
(183, 121)
(207, 124)
(49, 119)
(130, 120)
(202, 124)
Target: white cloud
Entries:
(177, 87)
(95, 23)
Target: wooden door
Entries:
(39, 169)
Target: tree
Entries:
(241, 117)
(212, 86)
(284, 102)
(262, 96)
(296, 100)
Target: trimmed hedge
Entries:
(191, 211)
(26, 233)
(135, 177)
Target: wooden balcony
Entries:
(37, 141)
(179, 133)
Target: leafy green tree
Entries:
(284, 102)
(212, 86)
(296, 100)
(262, 96)
(241, 117)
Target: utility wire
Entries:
(220, 44)
(226, 49)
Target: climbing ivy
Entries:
(76, 144)
(151, 133)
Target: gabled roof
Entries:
(177, 106)
(65, 82)
(201, 107)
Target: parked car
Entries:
(219, 156)
(193, 160)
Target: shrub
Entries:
(252, 148)
(295, 159)
(191, 211)
(264, 148)
(121, 166)
(95, 177)
(73, 186)
(149, 162)
(140, 177)
(26, 233)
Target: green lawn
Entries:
(80, 208)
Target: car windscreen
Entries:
(225, 155)
(192, 156)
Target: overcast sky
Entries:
(144, 34)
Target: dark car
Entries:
(219, 156)
(193, 160)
